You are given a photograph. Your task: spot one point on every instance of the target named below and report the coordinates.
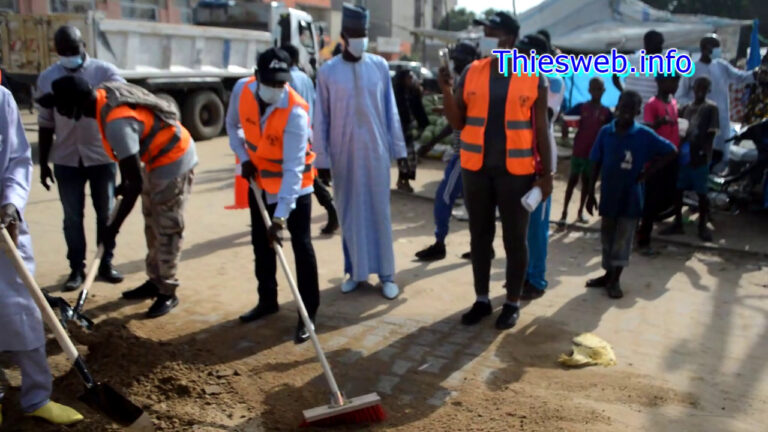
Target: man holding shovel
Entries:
(156, 156)
(275, 148)
(22, 328)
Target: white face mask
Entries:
(487, 44)
(357, 46)
(270, 95)
(71, 62)
(717, 53)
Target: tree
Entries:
(456, 20)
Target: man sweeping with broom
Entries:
(156, 156)
(275, 148)
(22, 328)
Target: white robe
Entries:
(22, 327)
(357, 134)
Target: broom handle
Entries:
(37, 295)
(94, 269)
(337, 396)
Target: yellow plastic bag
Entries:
(589, 350)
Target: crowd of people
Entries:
(295, 138)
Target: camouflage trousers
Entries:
(162, 204)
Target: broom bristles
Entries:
(369, 414)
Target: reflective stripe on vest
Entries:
(518, 128)
(160, 143)
(266, 149)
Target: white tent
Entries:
(599, 25)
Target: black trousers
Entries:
(660, 194)
(484, 190)
(304, 253)
(323, 195)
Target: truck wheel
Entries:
(171, 100)
(203, 115)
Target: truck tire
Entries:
(171, 100)
(203, 115)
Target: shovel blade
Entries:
(105, 399)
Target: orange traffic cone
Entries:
(241, 190)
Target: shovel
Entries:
(93, 271)
(98, 396)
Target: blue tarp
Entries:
(578, 90)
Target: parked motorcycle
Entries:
(744, 183)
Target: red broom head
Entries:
(371, 414)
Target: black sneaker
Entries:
(109, 274)
(147, 290)
(162, 305)
(600, 282)
(479, 310)
(615, 292)
(75, 279)
(260, 311)
(530, 292)
(508, 317)
(302, 334)
(333, 222)
(434, 252)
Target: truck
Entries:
(286, 25)
(192, 66)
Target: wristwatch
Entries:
(280, 221)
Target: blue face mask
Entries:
(717, 53)
(71, 62)
(357, 46)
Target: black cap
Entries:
(502, 21)
(465, 50)
(273, 65)
(533, 41)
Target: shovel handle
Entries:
(94, 269)
(336, 393)
(37, 295)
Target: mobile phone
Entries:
(444, 61)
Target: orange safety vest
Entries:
(161, 142)
(522, 93)
(265, 149)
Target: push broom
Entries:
(99, 396)
(341, 410)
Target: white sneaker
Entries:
(390, 290)
(349, 285)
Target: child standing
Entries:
(593, 116)
(661, 115)
(695, 155)
(620, 154)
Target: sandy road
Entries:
(689, 335)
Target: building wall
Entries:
(167, 11)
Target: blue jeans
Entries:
(449, 189)
(538, 238)
(71, 182)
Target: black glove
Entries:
(248, 170)
(10, 219)
(110, 237)
(324, 175)
(403, 168)
(46, 174)
(273, 234)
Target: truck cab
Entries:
(286, 25)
